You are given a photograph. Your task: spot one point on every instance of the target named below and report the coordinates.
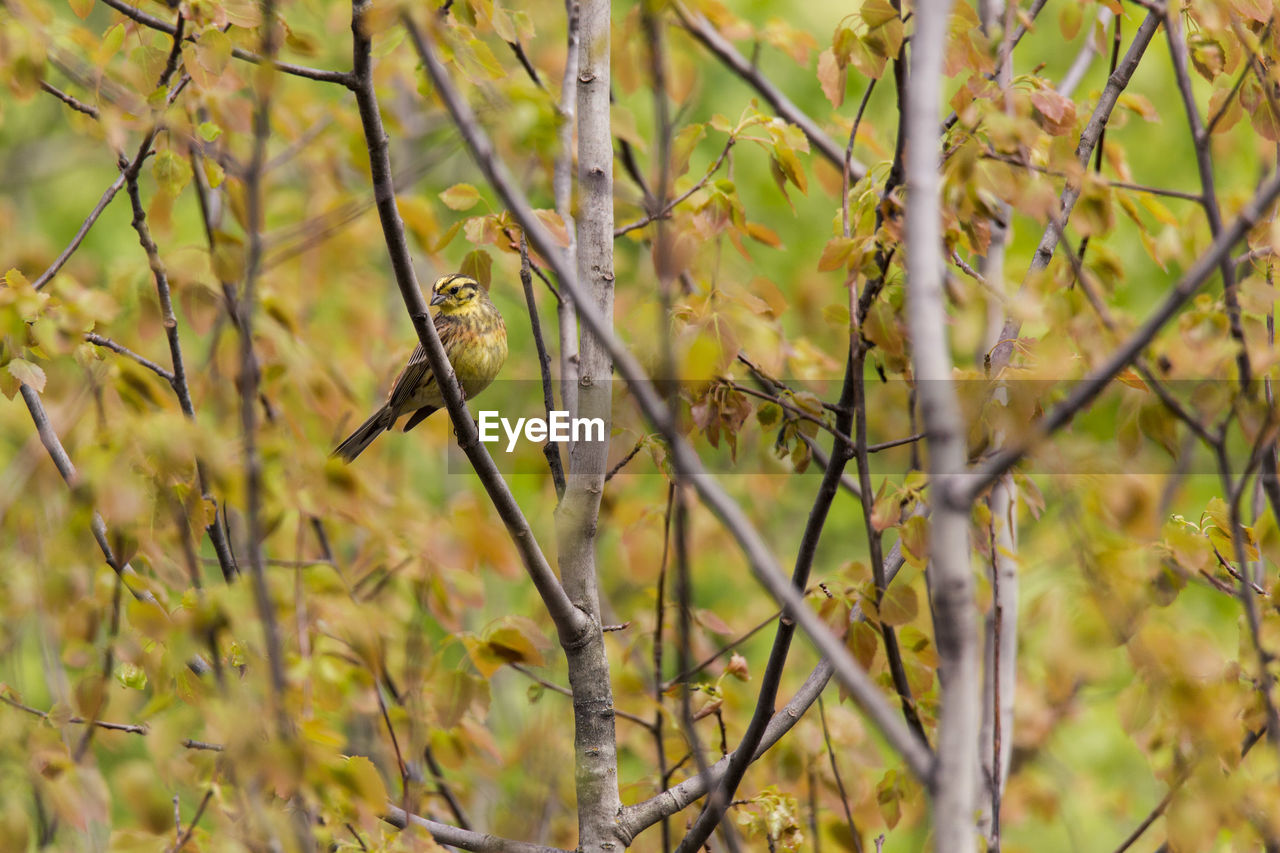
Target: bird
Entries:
(474, 338)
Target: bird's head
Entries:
(456, 294)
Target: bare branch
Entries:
(562, 187)
(107, 343)
(75, 103)
(110, 193)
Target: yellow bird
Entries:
(474, 338)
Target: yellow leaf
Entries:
(460, 197)
(27, 373)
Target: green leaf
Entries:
(478, 265)
(171, 171)
(132, 676)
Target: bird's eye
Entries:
(454, 290)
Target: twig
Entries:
(107, 343)
(1000, 354)
(684, 196)
(1209, 198)
(659, 618)
(636, 818)
(562, 188)
(79, 721)
(551, 449)
(195, 819)
(518, 49)
(445, 791)
(622, 463)
(1158, 810)
(463, 839)
(341, 77)
(835, 772)
(74, 103)
(178, 377)
(702, 30)
(565, 691)
(83, 231)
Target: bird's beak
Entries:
(437, 298)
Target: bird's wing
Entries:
(417, 378)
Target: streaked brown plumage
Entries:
(475, 339)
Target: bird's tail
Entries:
(355, 443)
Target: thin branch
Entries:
(74, 103)
(107, 343)
(195, 819)
(702, 30)
(178, 377)
(551, 449)
(1023, 163)
(83, 231)
(565, 691)
(636, 818)
(622, 463)
(341, 77)
(518, 49)
(1006, 50)
(79, 721)
(684, 196)
(659, 618)
(858, 353)
(1235, 87)
(562, 188)
(1158, 810)
(1209, 197)
(463, 839)
(1084, 59)
(444, 789)
(835, 772)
